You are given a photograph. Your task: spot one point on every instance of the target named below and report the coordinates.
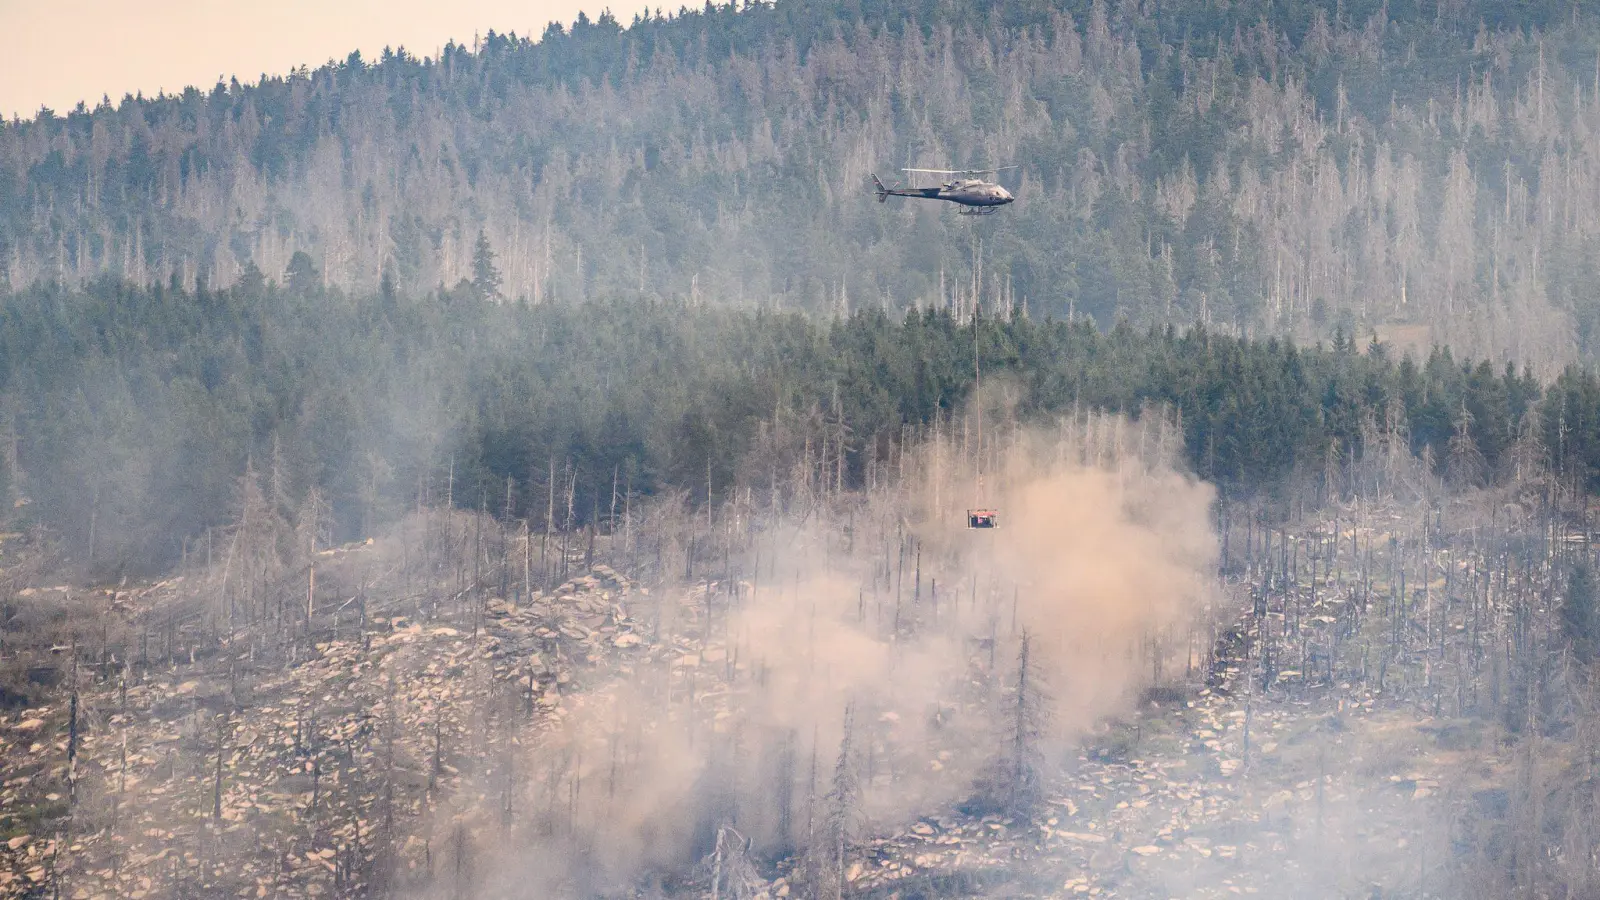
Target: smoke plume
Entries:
(848, 665)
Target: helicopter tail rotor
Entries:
(883, 192)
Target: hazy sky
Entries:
(56, 52)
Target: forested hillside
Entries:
(541, 470)
(129, 416)
(1421, 169)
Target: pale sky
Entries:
(56, 52)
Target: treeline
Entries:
(1292, 167)
(129, 416)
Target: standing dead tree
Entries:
(828, 858)
(1011, 784)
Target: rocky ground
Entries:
(1326, 797)
(1180, 803)
(220, 778)
(215, 776)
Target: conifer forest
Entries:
(539, 468)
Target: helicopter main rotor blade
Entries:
(961, 171)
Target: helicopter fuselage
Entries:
(966, 192)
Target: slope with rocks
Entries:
(1340, 728)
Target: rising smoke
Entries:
(850, 672)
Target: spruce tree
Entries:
(485, 277)
(301, 275)
(1010, 784)
(1580, 625)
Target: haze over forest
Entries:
(1263, 167)
(543, 470)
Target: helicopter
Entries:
(981, 198)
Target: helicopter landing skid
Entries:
(979, 211)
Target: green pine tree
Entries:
(1580, 625)
(485, 277)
